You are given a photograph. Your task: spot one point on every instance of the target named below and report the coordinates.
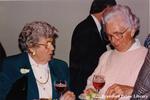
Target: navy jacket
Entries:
(15, 85)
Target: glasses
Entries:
(47, 45)
(117, 35)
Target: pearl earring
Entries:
(33, 53)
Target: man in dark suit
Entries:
(87, 45)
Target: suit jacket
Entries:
(86, 48)
(142, 86)
(15, 85)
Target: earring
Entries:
(33, 53)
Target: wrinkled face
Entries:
(119, 34)
(44, 50)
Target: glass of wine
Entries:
(60, 86)
(98, 82)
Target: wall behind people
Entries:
(64, 14)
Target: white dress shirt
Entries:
(98, 25)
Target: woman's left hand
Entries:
(115, 91)
(68, 96)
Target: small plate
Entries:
(82, 96)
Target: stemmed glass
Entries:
(98, 82)
(60, 86)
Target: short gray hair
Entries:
(32, 32)
(123, 11)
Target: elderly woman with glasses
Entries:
(32, 74)
(120, 66)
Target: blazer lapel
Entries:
(32, 89)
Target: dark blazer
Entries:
(86, 48)
(15, 85)
(142, 86)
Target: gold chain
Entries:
(43, 82)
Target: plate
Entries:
(87, 97)
(82, 97)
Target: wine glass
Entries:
(60, 86)
(98, 82)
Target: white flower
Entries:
(24, 70)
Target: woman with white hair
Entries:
(120, 66)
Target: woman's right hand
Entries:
(118, 90)
(68, 96)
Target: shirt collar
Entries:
(135, 45)
(97, 23)
(33, 63)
